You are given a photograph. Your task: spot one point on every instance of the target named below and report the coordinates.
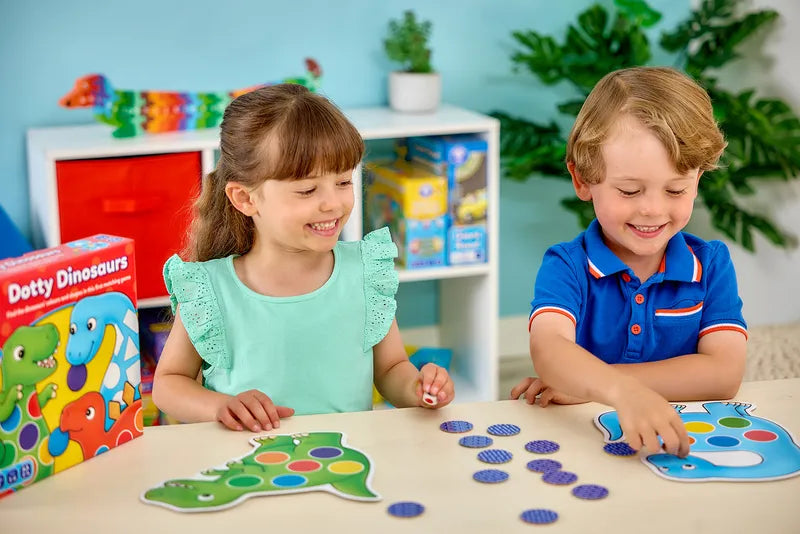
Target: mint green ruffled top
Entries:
(310, 352)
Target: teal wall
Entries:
(210, 45)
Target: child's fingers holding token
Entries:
(429, 400)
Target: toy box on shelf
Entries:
(412, 202)
(461, 159)
(69, 367)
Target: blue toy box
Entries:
(461, 159)
(411, 201)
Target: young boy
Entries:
(633, 312)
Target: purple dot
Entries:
(542, 446)
(475, 442)
(456, 426)
(539, 516)
(490, 476)
(619, 448)
(590, 492)
(325, 452)
(560, 478)
(494, 456)
(28, 436)
(544, 466)
(76, 377)
(406, 509)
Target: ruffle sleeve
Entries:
(380, 284)
(190, 286)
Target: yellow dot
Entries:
(699, 427)
(346, 467)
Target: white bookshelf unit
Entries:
(468, 295)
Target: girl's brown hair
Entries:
(277, 132)
(670, 104)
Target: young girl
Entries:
(281, 316)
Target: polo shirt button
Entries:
(636, 330)
(639, 298)
(626, 277)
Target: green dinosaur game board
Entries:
(278, 464)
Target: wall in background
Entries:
(205, 45)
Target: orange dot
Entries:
(636, 330)
(272, 457)
(639, 298)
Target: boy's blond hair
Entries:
(667, 102)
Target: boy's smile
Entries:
(643, 201)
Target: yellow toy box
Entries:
(69, 360)
(412, 202)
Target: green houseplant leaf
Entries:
(407, 43)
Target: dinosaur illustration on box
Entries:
(136, 112)
(279, 464)
(727, 443)
(88, 322)
(28, 357)
(84, 420)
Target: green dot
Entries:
(244, 481)
(734, 422)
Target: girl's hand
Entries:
(436, 381)
(644, 416)
(252, 409)
(530, 387)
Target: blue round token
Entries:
(544, 466)
(560, 478)
(406, 509)
(475, 442)
(456, 426)
(590, 492)
(539, 516)
(495, 456)
(619, 448)
(542, 446)
(503, 430)
(490, 476)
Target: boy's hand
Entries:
(436, 381)
(252, 409)
(644, 415)
(530, 387)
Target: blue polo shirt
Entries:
(621, 319)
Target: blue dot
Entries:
(101, 449)
(503, 429)
(490, 476)
(539, 516)
(494, 456)
(722, 441)
(475, 442)
(456, 426)
(10, 424)
(288, 481)
(406, 509)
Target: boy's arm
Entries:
(715, 372)
(176, 390)
(398, 380)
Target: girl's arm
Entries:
(715, 372)
(176, 390)
(565, 366)
(399, 381)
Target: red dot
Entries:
(304, 465)
(760, 435)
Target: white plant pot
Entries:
(414, 92)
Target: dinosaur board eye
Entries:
(91, 324)
(688, 467)
(205, 497)
(89, 413)
(73, 329)
(19, 352)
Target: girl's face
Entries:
(306, 214)
(643, 200)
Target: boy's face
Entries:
(643, 200)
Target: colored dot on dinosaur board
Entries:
(33, 406)
(11, 424)
(303, 466)
(44, 454)
(272, 457)
(28, 436)
(246, 481)
(760, 435)
(325, 452)
(692, 441)
(722, 441)
(289, 481)
(699, 427)
(734, 422)
(346, 467)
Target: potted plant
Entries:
(415, 88)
